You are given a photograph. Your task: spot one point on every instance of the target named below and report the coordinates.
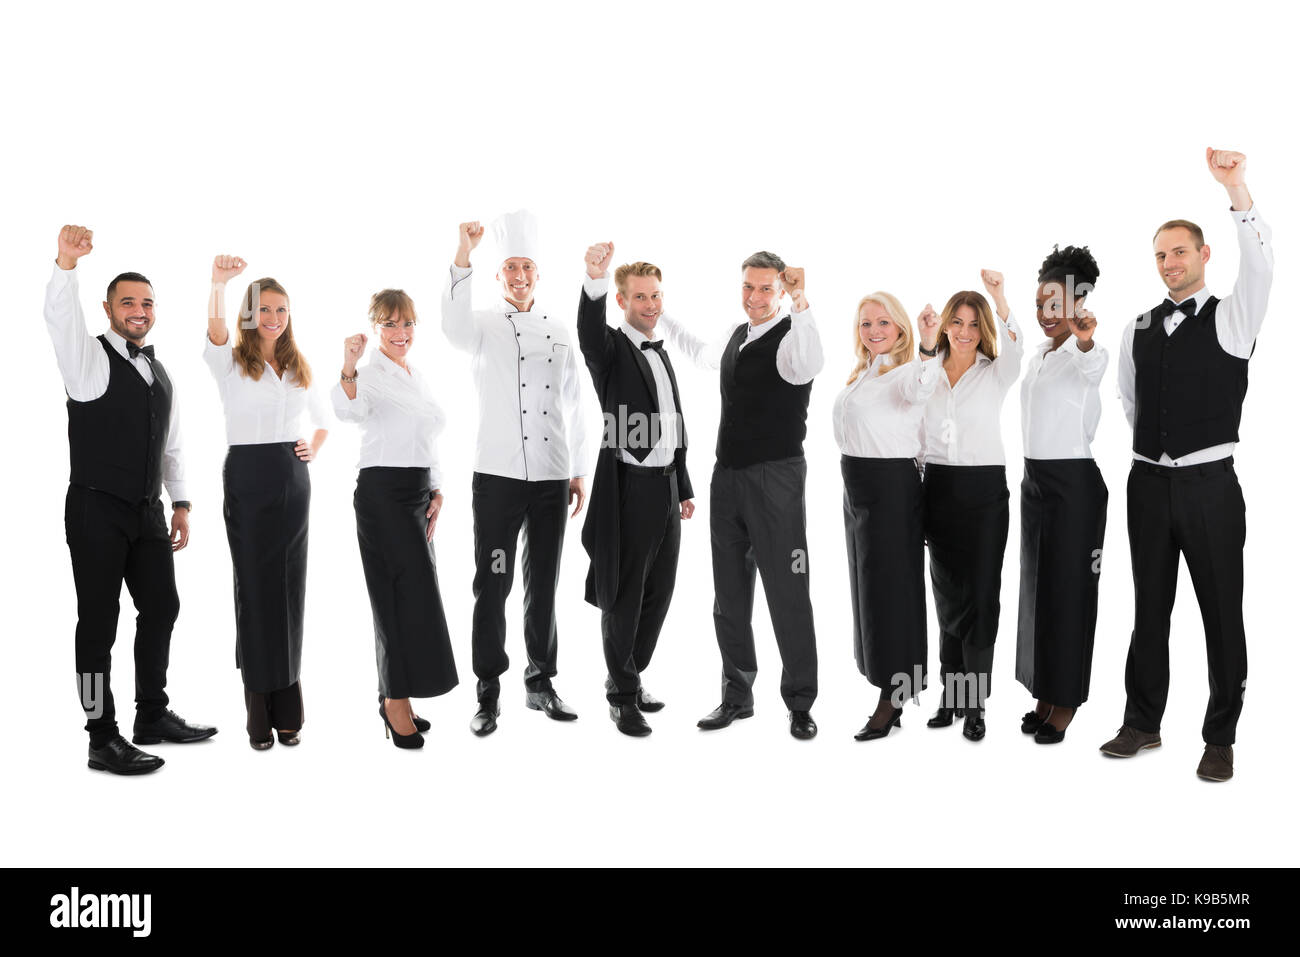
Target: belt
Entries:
(1207, 468)
(668, 469)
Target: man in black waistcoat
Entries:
(756, 499)
(641, 490)
(124, 441)
(1182, 379)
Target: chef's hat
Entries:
(515, 235)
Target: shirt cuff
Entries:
(177, 492)
(595, 288)
(801, 318)
(459, 272)
(63, 277)
(1244, 220)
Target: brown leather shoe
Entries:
(1129, 742)
(1216, 763)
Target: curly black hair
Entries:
(1075, 261)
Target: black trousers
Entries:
(886, 545)
(967, 517)
(111, 542)
(1062, 529)
(1197, 511)
(412, 647)
(649, 538)
(274, 711)
(502, 508)
(757, 522)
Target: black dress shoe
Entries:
(289, 738)
(802, 725)
(973, 728)
(170, 727)
(647, 702)
(941, 718)
(484, 721)
(868, 733)
(119, 757)
(1031, 722)
(722, 716)
(629, 720)
(550, 704)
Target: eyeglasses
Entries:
(389, 324)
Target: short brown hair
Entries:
(388, 303)
(634, 269)
(1187, 224)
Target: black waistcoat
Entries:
(763, 416)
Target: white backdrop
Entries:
(336, 147)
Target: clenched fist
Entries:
(1227, 167)
(1083, 324)
(927, 325)
(354, 347)
(225, 268)
(471, 234)
(993, 282)
(597, 259)
(74, 242)
(792, 279)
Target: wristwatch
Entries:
(188, 506)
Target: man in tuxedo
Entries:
(641, 490)
(124, 440)
(1182, 380)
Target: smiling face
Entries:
(518, 277)
(1052, 310)
(130, 310)
(642, 304)
(963, 332)
(396, 336)
(272, 315)
(878, 332)
(760, 293)
(1181, 264)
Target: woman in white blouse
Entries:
(877, 421)
(397, 501)
(1062, 498)
(965, 490)
(265, 391)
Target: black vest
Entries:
(116, 441)
(763, 416)
(1188, 389)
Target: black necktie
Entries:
(133, 350)
(657, 346)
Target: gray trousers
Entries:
(757, 523)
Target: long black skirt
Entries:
(1062, 528)
(412, 646)
(886, 545)
(967, 516)
(268, 496)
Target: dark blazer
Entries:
(625, 386)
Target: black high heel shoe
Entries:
(868, 733)
(421, 725)
(412, 740)
(1031, 722)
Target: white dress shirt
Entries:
(798, 358)
(531, 425)
(963, 423)
(400, 421)
(668, 439)
(85, 369)
(1237, 320)
(878, 415)
(266, 410)
(1060, 405)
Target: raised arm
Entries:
(349, 402)
(1089, 358)
(701, 352)
(82, 363)
(799, 357)
(1011, 349)
(224, 269)
(1239, 319)
(458, 323)
(918, 380)
(594, 335)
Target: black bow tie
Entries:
(133, 350)
(657, 346)
(1187, 307)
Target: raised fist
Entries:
(992, 282)
(1227, 167)
(792, 279)
(927, 324)
(225, 268)
(354, 347)
(471, 234)
(74, 242)
(1083, 324)
(597, 259)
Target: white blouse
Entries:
(878, 415)
(400, 421)
(266, 410)
(1060, 405)
(963, 423)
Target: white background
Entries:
(336, 147)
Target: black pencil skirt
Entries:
(412, 646)
(1062, 527)
(886, 544)
(966, 521)
(268, 495)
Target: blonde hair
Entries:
(248, 346)
(902, 350)
(983, 313)
(622, 273)
(387, 303)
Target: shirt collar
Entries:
(753, 332)
(382, 363)
(118, 342)
(1200, 297)
(633, 334)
